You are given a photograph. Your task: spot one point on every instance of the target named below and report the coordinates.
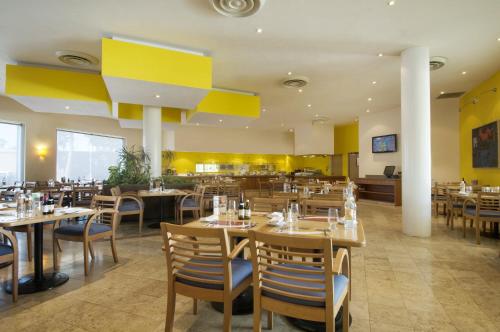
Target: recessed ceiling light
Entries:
(197, 123)
(309, 105)
(246, 127)
(369, 98)
(264, 110)
(316, 115)
(442, 93)
(355, 119)
(66, 107)
(290, 130)
(391, 3)
(289, 73)
(374, 82)
(498, 39)
(464, 73)
(282, 124)
(157, 96)
(259, 30)
(220, 120)
(367, 111)
(300, 90)
(380, 54)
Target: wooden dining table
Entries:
(40, 281)
(162, 194)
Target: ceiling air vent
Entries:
(451, 95)
(437, 62)
(295, 82)
(76, 59)
(237, 8)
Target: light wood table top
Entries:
(164, 193)
(8, 217)
(315, 227)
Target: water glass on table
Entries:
(333, 218)
(231, 211)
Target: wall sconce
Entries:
(41, 151)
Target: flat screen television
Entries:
(383, 144)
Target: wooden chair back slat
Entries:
(320, 207)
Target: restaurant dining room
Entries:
(249, 165)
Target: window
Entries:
(11, 152)
(86, 156)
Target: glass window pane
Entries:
(86, 156)
(11, 153)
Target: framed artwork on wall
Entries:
(485, 147)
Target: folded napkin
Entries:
(212, 218)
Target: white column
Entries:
(152, 137)
(416, 141)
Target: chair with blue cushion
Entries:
(101, 225)
(487, 209)
(202, 266)
(130, 204)
(299, 277)
(10, 254)
(193, 202)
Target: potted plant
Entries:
(133, 169)
(168, 156)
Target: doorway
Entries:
(336, 165)
(352, 165)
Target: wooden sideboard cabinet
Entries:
(380, 189)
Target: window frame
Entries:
(22, 147)
(124, 139)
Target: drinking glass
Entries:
(333, 218)
(231, 211)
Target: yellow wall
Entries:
(185, 162)
(345, 141)
(486, 110)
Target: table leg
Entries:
(39, 281)
(156, 225)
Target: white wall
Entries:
(313, 139)
(378, 124)
(444, 141)
(229, 140)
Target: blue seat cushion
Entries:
(189, 202)
(461, 205)
(5, 249)
(241, 269)
(78, 229)
(340, 283)
(128, 205)
(483, 213)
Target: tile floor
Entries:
(400, 283)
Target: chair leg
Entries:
(257, 311)
(113, 249)
(141, 220)
(30, 244)
(478, 231)
(228, 313)
(270, 320)
(195, 306)
(181, 217)
(169, 324)
(464, 221)
(345, 315)
(86, 257)
(91, 250)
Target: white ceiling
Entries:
(334, 43)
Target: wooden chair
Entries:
(101, 225)
(82, 196)
(201, 266)
(307, 282)
(265, 204)
(130, 204)
(454, 206)
(232, 191)
(193, 202)
(10, 254)
(286, 195)
(439, 198)
(487, 210)
(211, 190)
(320, 207)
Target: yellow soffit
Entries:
(232, 107)
(145, 74)
(58, 91)
(130, 116)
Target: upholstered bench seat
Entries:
(340, 285)
(241, 270)
(128, 205)
(78, 229)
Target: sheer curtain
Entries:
(86, 156)
(11, 153)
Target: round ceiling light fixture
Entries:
(237, 8)
(77, 59)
